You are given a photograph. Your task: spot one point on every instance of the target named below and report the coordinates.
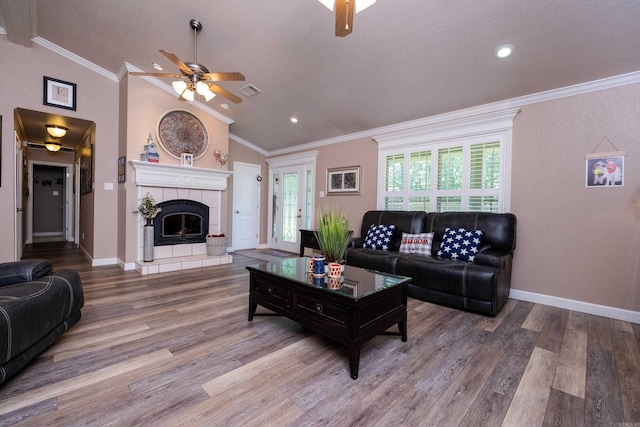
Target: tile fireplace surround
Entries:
(168, 182)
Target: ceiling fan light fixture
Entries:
(202, 88)
(179, 86)
(208, 95)
(53, 146)
(187, 95)
(56, 131)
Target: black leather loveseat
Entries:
(36, 307)
(480, 286)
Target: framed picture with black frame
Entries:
(122, 169)
(58, 93)
(86, 166)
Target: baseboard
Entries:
(583, 307)
(103, 261)
(126, 266)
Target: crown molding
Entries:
(247, 144)
(578, 89)
(75, 58)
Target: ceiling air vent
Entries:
(250, 90)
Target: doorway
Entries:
(49, 218)
(291, 206)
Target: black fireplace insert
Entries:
(181, 221)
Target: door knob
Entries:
(237, 211)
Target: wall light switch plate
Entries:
(108, 185)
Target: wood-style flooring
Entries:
(176, 349)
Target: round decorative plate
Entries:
(180, 132)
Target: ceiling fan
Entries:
(195, 77)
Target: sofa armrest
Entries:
(24, 271)
(356, 242)
(493, 258)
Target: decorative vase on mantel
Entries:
(147, 242)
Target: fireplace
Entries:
(181, 221)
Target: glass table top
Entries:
(353, 283)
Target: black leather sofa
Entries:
(481, 286)
(36, 307)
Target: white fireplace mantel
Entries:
(150, 174)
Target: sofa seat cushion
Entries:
(371, 259)
(449, 276)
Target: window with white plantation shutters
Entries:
(454, 164)
(466, 176)
(451, 163)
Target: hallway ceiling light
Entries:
(56, 131)
(53, 146)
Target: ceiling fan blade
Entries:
(174, 76)
(222, 77)
(223, 92)
(344, 17)
(183, 67)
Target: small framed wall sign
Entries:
(605, 169)
(186, 159)
(58, 93)
(345, 180)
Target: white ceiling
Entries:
(405, 60)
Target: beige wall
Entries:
(575, 242)
(97, 100)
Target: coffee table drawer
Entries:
(270, 290)
(336, 313)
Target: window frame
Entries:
(494, 126)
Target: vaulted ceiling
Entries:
(405, 60)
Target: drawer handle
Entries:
(319, 307)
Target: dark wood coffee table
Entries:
(365, 304)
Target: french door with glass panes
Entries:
(290, 206)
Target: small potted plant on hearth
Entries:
(333, 235)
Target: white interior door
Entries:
(288, 207)
(246, 206)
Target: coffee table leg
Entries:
(354, 357)
(252, 309)
(403, 327)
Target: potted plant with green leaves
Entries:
(333, 234)
(148, 210)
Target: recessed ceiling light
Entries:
(503, 51)
(294, 120)
(157, 66)
(225, 106)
